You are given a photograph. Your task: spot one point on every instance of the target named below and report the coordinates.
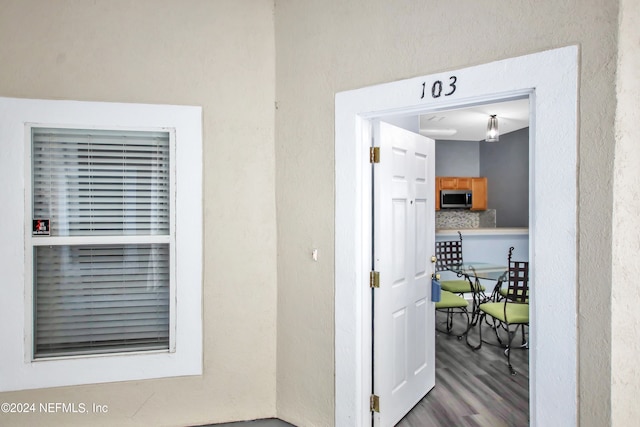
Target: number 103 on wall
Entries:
(439, 88)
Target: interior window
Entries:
(101, 241)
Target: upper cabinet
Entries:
(479, 189)
(478, 185)
(455, 183)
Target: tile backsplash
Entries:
(463, 218)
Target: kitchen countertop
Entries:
(482, 231)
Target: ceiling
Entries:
(470, 123)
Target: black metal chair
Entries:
(511, 311)
(449, 252)
(451, 304)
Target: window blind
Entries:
(101, 298)
(101, 182)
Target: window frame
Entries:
(19, 371)
(31, 241)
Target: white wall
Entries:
(329, 46)
(216, 54)
(221, 55)
(625, 376)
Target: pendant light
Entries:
(493, 135)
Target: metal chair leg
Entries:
(496, 329)
(449, 322)
(450, 313)
(466, 331)
(525, 342)
(508, 350)
(480, 319)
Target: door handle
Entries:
(435, 276)
(433, 258)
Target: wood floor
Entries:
(473, 388)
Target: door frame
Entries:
(550, 79)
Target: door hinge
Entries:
(374, 155)
(374, 279)
(374, 403)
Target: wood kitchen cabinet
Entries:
(448, 183)
(479, 189)
(478, 185)
(455, 183)
(438, 188)
(464, 183)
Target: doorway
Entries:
(550, 79)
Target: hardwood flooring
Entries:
(474, 388)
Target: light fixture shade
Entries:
(493, 135)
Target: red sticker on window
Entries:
(41, 227)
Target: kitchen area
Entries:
(482, 186)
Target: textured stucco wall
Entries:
(220, 54)
(327, 46)
(625, 322)
(216, 54)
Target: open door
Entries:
(404, 240)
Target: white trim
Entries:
(91, 240)
(550, 79)
(18, 372)
(483, 231)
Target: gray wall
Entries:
(506, 166)
(457, 158)
(504, 163)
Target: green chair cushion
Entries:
(458, 286)
(450, 300)
(516, 313)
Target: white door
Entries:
(404, 240)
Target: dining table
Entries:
(474, 273)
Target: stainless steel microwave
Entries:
(456, 199)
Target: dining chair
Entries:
(449, 253)
(451, 304)
(510, 312)
(504, 290)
